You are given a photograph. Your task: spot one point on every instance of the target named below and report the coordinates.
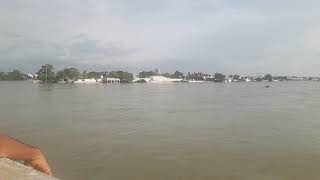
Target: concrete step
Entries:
(11, 170)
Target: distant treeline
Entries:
(47, 73)
(15, 75)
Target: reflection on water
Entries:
(170, 131)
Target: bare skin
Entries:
(16, 150)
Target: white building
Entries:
(157, 79)
(162, 79)
(112, 80)
(248, 79)
(32, 76)
(228, 79)
(88, 81)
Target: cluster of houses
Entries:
(99, 80)
(157, 79)
(81, 81)
(227, 79)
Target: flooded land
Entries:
(187, 131)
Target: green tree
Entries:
(60, 76)
(177, 75)
(236, 77)
(46, 74)
(282, 78)
(15, 75)
(68, 74)
(259, 79)
(84, 74)
(145, 74)
(268, 77)
(125, 77)
(94, 75)
(219, 77)
(2, 76)
(72, 73)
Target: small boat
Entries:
(267, 86)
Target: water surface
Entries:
(189, 131)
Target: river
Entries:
(179, 131)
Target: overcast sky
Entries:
(231, 36)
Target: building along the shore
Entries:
(112, 80)
(88, 81)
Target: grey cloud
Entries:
(76, 51)
(211, 35)
(84, 49)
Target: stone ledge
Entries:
(11, 170)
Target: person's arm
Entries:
(15, 150)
